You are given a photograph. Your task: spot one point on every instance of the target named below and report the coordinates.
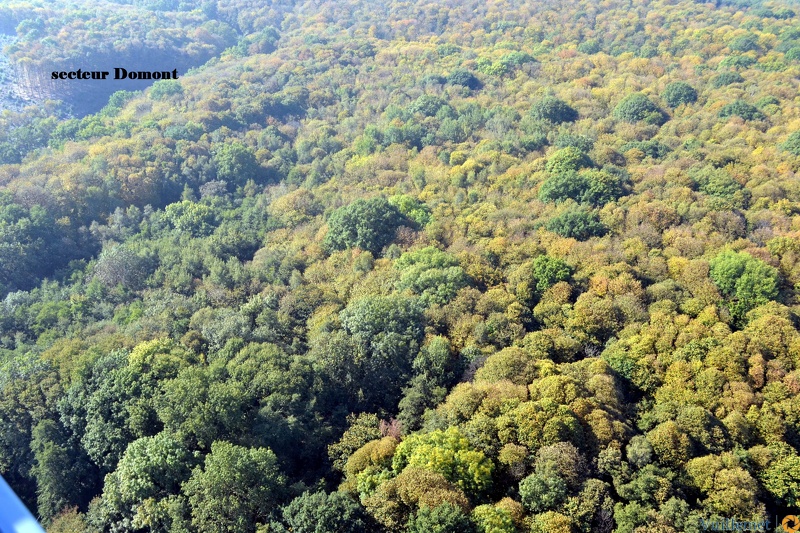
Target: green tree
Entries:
(639, 451)
(366, 224)
(464, 78)
(651, 148)
(566, 160)
(448, 453)
(792, 144)
(671, 445)
(374, 456)
(426, 105)
(236, 490)
(32, 245)
(579, 224)
(320, 512)
(151, 470)
(744, 43)
(362, 428)
(64, 475)
(396, 500)
(630, 516)
(422, 393)
(436, 361)
(163, 89)
(200, 408)
(731, 490)
(412, 208)
(69, 521)
(719, 183)
(493, 519)
(547, 271)
(540, 493)
(562, 186)
(194, 218)
(236, 164)
(104, 417)
(432, 274)
(553, 522)
(382, 338)
(596, 187)
(679, 93)
(604, 186)
(723, 79)
(561, 459)
(372, 319)
(122, 266)
(444, 518)
(554, 110)
(436, 369)
(637, 107)
(746, 281)
(737, 61)
(741, 109)
(581, 142)
(589, 47)
(781, 478)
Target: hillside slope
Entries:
(488, 266)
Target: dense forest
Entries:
(404, 266)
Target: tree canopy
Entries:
(366, 224)
(637, 107)
(400, 266)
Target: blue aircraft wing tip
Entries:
(14, 516)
